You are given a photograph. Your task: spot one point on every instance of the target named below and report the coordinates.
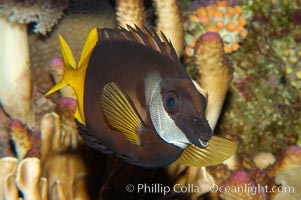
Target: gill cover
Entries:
(74, 75)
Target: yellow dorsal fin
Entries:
(218, 150)
(74, 75)
(119, 113)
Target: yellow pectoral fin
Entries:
(218, 150)
(119, 112)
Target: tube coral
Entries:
(239, 184)
(170, 23)
(21, 137)
(289, 183)
(215, 73)
(15, 69)
(290, 159)
(14, 58)
(219, 17)
(28, 177)
(130, 12)
(8, 166)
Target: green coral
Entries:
(263, 106)
(290, 52)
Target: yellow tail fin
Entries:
(74, 75)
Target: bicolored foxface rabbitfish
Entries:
(136, 100)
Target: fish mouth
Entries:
(183, 145)
(204, 143)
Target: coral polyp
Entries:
(228, 21)
(290, 52)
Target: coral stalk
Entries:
(15, 75)
(215, 73)
(169, 22)
(130, 12)
(28, 177)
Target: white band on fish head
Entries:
(162, 122)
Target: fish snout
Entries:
(202, 133)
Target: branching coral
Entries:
(62, 163)
(213, 68)
(8, 166)
(130, 12)
(168, 18)
(60, 174)
(170, 23)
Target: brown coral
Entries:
(240, 186)
(170, 23)
(290, 185)
(45, 14)
(21, 137)
(215, 73)
(290, 159)
(15, 69)
(8, 167)
(130, 12)
(62, 163)
(184, 177)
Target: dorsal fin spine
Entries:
(142, 36)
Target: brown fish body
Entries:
(136, 100)
(127, 64)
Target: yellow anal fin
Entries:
(119, 112)
(218, 150)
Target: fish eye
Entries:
(171, 103)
